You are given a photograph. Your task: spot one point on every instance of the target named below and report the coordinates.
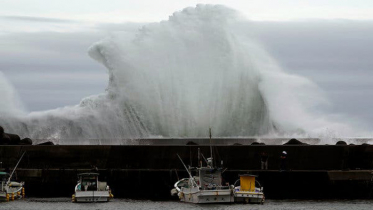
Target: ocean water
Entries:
(116, 204)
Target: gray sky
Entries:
(44, 45)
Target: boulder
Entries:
(46, 143)
(25, 141)
(191, 143)
(257, 143)
(14, 139)
(294, 142)
(4, 140)
(341, 143)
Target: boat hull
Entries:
(92, 196)
(13, 190)
(17, 195)
(249, 197)
(3, 196)
(206, 196)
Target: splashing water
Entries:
(10, 105)
(177, 78)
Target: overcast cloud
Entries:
(334, 54)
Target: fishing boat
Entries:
(207, 187)
(89, 189)
(248, 190)
(10, 190)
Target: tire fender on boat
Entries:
(181, 195)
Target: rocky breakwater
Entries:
(12, 139)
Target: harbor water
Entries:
(116, 204)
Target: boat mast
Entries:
(190, 175)
(199, 158)
(204, 159)
(15, 167)
(211, 149)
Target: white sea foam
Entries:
(201, 68)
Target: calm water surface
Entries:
(64, 203)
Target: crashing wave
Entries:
(199, 69)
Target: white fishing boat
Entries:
(10, 190)
(207, 187)
(248, 190)
(89, 189)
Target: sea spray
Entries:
(199, 69)
(10, 104)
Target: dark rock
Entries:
(191, 143)
(293, 142)
(14, 138)
(341, 143)
(25, 141)
(4, 140)
(47, 143)
(257, 143)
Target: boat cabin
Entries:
(3, 179)
(248, 182)
(87, 182)
(4, 176)
(209, 178)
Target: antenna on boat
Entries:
(204, 158)
(190, 175)
(211, 149)
(16, 167)
(199, 158)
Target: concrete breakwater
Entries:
(149, 171)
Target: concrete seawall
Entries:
(149, 171)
